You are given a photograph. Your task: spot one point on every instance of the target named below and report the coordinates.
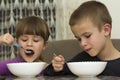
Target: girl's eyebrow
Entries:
(36, 36)
(23, 36)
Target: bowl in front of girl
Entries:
(26, 69)
(87, 68)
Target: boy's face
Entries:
(33, 43)
(90, 38)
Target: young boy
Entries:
(91, 25)
(32, 33)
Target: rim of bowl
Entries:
(26, 63)
(87, 62)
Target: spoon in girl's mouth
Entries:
(19, 46)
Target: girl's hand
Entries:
(58, 63)
(6, 39)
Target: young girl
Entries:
(32, 34)
(91, 25)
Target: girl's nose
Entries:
(29, 43)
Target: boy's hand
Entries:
(58, 63)
(6, 39)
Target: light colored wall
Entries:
(113, 7)
(65, 8)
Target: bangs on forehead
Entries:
(31, 30)
(32, 26)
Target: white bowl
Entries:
(87, 69)
(26, 69)
(88, 78)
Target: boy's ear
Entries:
(107, 29)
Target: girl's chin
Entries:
(31, 60)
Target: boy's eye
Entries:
(79, 39)
(87, 36)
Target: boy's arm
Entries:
(49, 71)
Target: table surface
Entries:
(62, 78)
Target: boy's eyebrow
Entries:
(83, 34)
(86, 33)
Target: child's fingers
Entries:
(58, 58)
(8, 39)
(57, 66)
(58, 62)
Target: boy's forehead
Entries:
(83, 27)
(84, 21)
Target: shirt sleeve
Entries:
(3, 66)
(49, 71)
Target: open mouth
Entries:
(29, 52)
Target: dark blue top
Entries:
(112, 68)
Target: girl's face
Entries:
(90, 38)
(33, 43)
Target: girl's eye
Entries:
(36, 40)
(24, 40)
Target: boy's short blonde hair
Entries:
(94, 10)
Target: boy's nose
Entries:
(83, 43)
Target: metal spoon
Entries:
(19, 46)
(54, 54)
